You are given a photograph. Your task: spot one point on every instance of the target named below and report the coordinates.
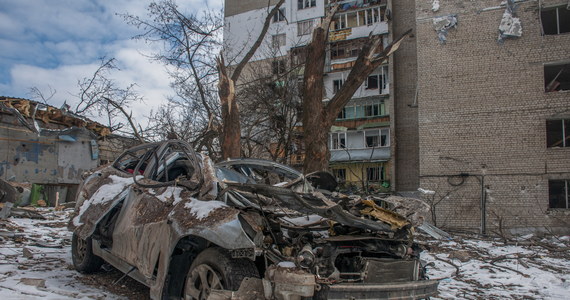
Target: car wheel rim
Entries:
(80, 249)
(202, 280)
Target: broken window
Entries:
(340, 174)
(278, 40)
(279, 16)
(555, 20)
(340, 22)
(558, 133)
(372, 81)
(304, 27)
(557, 77)
(338, 140)
(298, 55)
(375, 173)
(558, 193)
(278, 66)
(302, 4)
(346, 49)
(337, 84)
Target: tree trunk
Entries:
(318, 117)
(315, 120)
(231, 130)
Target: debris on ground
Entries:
(474, 267)
(35, 262)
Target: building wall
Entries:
(234, 7)
(482, 113)
(47, 159)
(405, 113)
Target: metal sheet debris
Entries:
(442, 25)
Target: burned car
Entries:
(252, 229)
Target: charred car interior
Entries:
(245, 228)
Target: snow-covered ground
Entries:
(471, 267)
(35, 262)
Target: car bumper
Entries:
(405, 290)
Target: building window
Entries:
(278, 66)
(279, 16)
(304, 27)
(375, 174)
(338, 140)
(340, 22)
(302, 4)
(555, 20)
(337, 84)
(278, 40)
(372, 82)
(365, 110)
(556, 78)
(377, 138)
(340, 174)
(346, 49)
(558, 133)
(558, 193)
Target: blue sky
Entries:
(54, 43)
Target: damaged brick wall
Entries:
(483, 111)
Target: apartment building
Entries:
(493, 106)
(360, 142)
(474, 107)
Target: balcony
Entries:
(356, 19)
(368, 144)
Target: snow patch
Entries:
(203, 208)
(170, 194)
(304, 220)
(113, 190)
(286, 264)
(426, 192)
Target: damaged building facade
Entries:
(492, 106)
(45, 150)
(360, 142)
(473, 108)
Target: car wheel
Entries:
(214, 268)
(82, 255)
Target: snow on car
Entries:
(172, 220)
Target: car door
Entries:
(142, 231)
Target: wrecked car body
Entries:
(244, 228)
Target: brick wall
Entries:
(482, 111)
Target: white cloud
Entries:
(55, 43)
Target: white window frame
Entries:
(381, 132)
(279, 16)
(278, 40)
(337, 144)
(334, 84)
(303, 4)
(305, 27)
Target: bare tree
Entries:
(231, 146)
(318, 117)
(272, 109)
(189, 43)
(99, 95)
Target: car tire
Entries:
(82, 255)
(219, 270)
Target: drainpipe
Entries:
(483, 230)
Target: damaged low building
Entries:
(45, 150)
